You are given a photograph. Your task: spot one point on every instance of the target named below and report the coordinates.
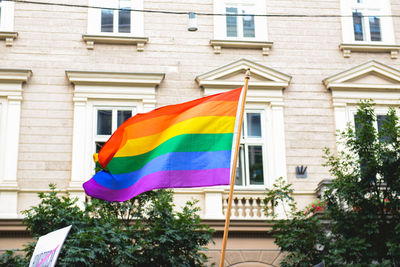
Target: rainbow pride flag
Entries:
(176, 146)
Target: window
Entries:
(115, 18)
(250, 165)
(240, 24)
(378, 124)
(261, 157)
(6, 15)
(102, 102)
(366, 27)
(367, 21)
(352, 85)
(10, 109)
(107, 120)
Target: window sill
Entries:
(218, 44)
(113, 39)
(378, 48)
(8, 37)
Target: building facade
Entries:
(70, 75)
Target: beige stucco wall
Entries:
(50, 42)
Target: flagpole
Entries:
(233, 172)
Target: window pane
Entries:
(107, 18)
(104, 122)
(239, 168)
(256, 165)
(122, 116)
(99, 145)
(357, 126)
(248, 26)
(124, 16)
(231, 22)
(380, 120)
(253, 125)
(358, 26)
(375, 28)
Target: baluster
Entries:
(224, 205)
(247, 209)
(234, 212)
(253, 208)
(263, 209)
(258, 208)
(240, 206)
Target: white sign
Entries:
(48, 247)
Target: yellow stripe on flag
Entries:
(198, 125)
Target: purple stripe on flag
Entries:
(162, 179)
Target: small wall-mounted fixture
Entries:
(192, 23)
(301, 171)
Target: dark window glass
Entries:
(122, 116)
(239, 168)
(104, 122)
(124, 17)
(358, 26)
(380, 120)
(356, 124)
(107, 19)
(256, 165)
(253, 125)
(375, 28)
(248, 26)
(99, 145)
(231, 22)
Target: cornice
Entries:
(114, 78)
(14, 75)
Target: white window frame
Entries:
(7, 16)
(266, 95)
(124, 106)
(367, 8)
(349, 87)
(10, 111)
(246, 141)
(94, 18)
(260, 23)
(95, 89)
(114, 106)
(379, 110)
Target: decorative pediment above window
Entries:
(113, 89)
(370, 80)
(116, 85)
(265, 85)
(11, 82)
